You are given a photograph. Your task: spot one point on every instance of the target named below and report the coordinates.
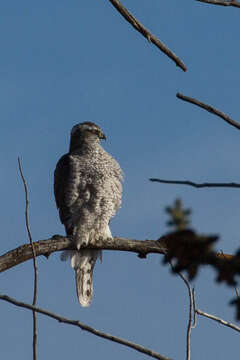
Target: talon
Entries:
(142, 255)
(56, 237)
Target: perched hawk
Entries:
(88, 189)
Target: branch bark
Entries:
(210, 109)
(146, 33)
(221, 3)
(85, 327)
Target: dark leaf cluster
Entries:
(179, 217)
(187, 251)
(228, 268)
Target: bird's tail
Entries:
(83, 263)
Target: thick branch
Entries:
(210, 109)
(146, 33)
(196, 185)
(221, 3)
(85, 327)
(58, 243)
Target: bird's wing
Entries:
(61, 184)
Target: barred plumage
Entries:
(88, 190)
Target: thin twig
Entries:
(146, 33)
(85, 327)
(34, 262)
(190, 319)
(221, 3)
(194, 324)
(196, 185)
(210, 109)
(237, 291)
(215, 318)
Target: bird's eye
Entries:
(93, 130)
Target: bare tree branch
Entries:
(191, 313)
(221, 3)
(34, 262)
(196, 185)
(146, 33)
(215, 318)
(85, 327)
(210, 109)
(59, 243)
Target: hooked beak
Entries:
(102, 136)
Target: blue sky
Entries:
(66, 62)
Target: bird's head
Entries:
(86, 132)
